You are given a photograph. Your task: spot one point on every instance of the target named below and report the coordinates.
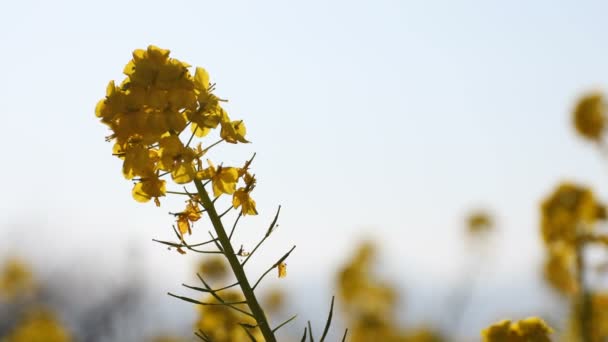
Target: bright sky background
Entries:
(387, 119)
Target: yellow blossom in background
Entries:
(16, 279)
(568, 211)
(213, 267)
(39, 326)
(168, 339)
(590, 116)
(274, 300)
(221, 323)
(560, 269)
(479, 221)
(597, 320)
(532, 329)
(422, 335)
(369, 304)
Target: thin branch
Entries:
(248, 333)
(182, 244)
(273, 267)
(226, 304)
(234, 226)
(282, 324)
(304, 336)
(217, 244)
(344, 337)
(202, 335)
(194, 301)
(268, 232)
(310, 337)
(329, 317)
(177, 193)
(208, 290)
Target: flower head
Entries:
(590, 116)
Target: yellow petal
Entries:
(282, 270)
(138, 194)
(183, 225)
(201, 79)
(182, 174)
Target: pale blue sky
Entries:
(387, 119)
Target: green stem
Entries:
(238, 270)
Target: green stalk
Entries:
(238, 270)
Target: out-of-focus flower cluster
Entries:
(479, 221)
(568, 216)
(369, 305)
(531, 329)
(590, 116)
(39, 326)
(224, 324)
(35, 323)
(598, 322)
(16, 280)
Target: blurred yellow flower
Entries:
(221, 323)
(560, 269)
(570, 210)
(532, 329)
(274, 300)
(16, 279)
(590, 116)
(39, 326)
(479, 221)
(213, 267)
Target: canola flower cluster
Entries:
(16, 280)
(369, 305)
(590, 116)
(530, 329)
(568, 218)
(149, 112)
(38, 324)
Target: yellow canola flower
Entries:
(16, 279)
(560, 269)
(223, 179)
(192, 213)
(532, 329)
(234, 131)
(221, 323)
(138, 160)
(177, 158)
(149, 187)
(479, 221)
(282, 268)
(242, 198)
(590, 116)
(39, 326)
(213, 267)
(570, 210)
